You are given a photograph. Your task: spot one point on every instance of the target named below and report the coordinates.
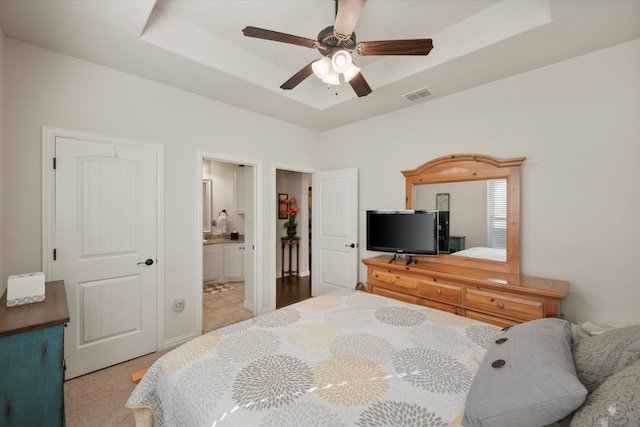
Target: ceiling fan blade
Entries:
(347, 17)
(298, 77)
(360, 85)
(395, 47)
(261, 33)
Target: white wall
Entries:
(46, 88)
(578, 124)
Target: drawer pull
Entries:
(500, 305)
(438, 291)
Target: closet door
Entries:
(106, 244)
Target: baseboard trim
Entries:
(174, 342)
(302, 274)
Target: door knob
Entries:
(148, 261)
(353, 245)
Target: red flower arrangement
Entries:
(292, 210)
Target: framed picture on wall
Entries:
(442, 201)
(282, 205)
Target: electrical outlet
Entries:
(178, 305)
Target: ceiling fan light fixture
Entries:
(341, 61)
(332, 78)
(321, 68)
(351, 72)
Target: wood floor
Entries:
(290, 290)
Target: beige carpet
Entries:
(98, 399)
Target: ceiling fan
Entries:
(336, 43)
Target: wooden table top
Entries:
(22, 318)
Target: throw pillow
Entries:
(598, 357)
(527, 378)
(616, 403)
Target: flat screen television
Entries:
(403, 232)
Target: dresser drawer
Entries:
(504, 306)
(487, 318)
(395, 295)
(435, 289)
(441, 306)
(398, 281)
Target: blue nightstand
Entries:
(31, 357)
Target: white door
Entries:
(105, 244)
(335, 231)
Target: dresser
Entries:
(502, 299)
(32, 360)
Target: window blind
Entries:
(497, 213)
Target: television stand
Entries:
(410, 260)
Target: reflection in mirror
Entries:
(477, 215)
(206, 205)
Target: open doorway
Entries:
(227, 243)
(293, 237)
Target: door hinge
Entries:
(54, 162)
(55, 253)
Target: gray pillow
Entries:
(598, 357)
(616, 403)
(526, 378)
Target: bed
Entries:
(344, 358)
(356, 359)
(491, 254)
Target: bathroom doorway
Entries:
(228, 244)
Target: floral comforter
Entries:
(341, 359)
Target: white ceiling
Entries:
(198, 46)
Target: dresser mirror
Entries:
(480, 191)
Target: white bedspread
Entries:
(340, 359)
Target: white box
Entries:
(25, 289)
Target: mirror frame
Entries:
(475, 167)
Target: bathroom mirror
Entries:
(469, 180)
(207, 192)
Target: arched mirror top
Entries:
(439, 175)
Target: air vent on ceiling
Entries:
(418, 94)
